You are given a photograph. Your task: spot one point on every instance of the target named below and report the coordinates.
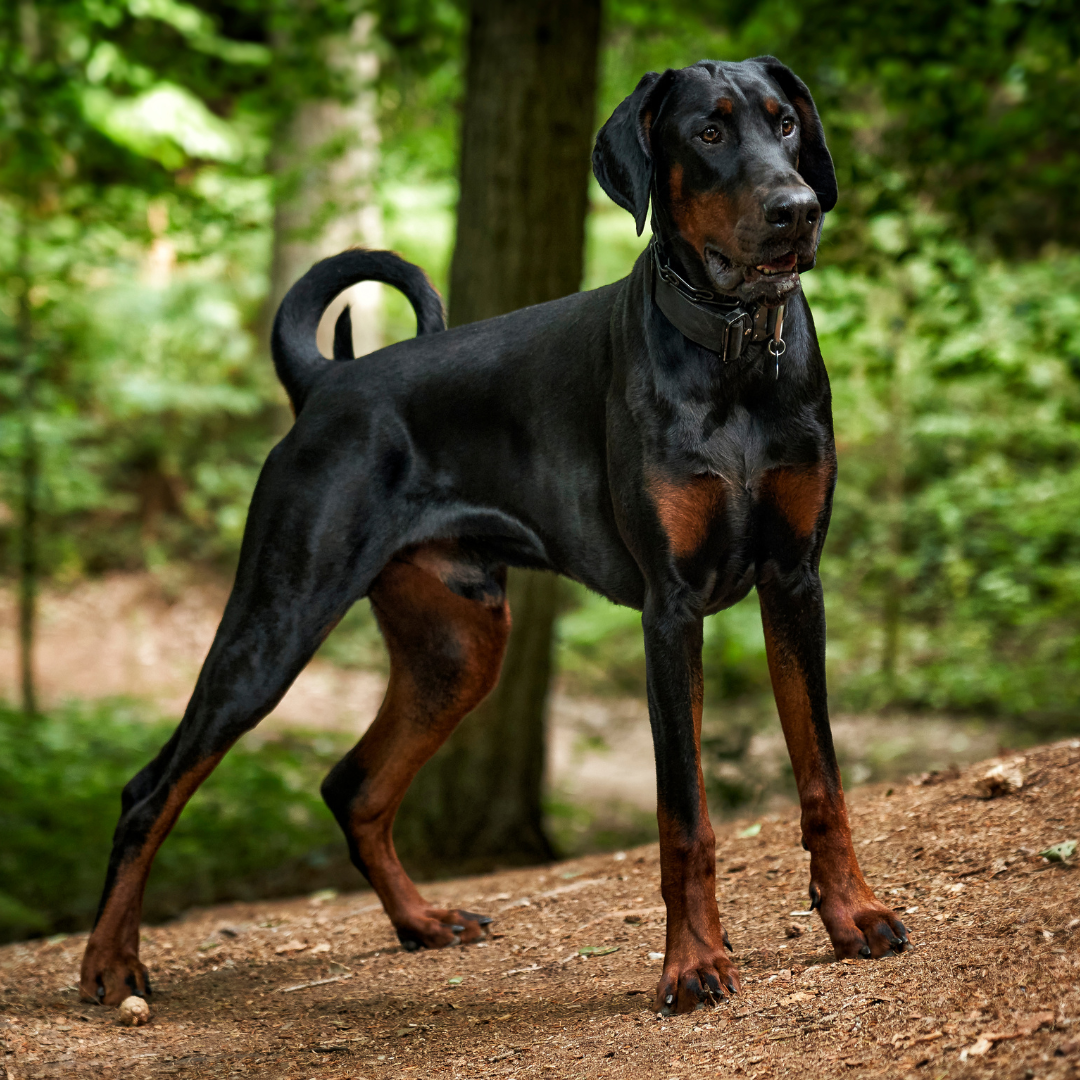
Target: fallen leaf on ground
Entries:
(1060, 852)
(291, 946)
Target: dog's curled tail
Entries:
(292, 342)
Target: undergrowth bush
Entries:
(256, 828)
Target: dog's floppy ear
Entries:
(622, 160)
(815, 161)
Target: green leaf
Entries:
(1060, 852)
(750, 830)
(597, 950)
(455, 980)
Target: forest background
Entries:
(154, 158)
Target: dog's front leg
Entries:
(696, 967)
(793, 616)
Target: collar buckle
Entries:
(740, 329)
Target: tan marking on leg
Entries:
(445, 657)
(852, 915)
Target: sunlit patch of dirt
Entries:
(320, 989)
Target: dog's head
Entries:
(734, 159)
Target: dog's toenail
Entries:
(864, 952)
(458, 929)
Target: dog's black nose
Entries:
(794, 210)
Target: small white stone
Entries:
(134, 1011)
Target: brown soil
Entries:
(319, 990)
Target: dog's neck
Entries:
(722, 324)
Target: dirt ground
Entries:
(318, 989)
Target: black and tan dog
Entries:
(666, 440)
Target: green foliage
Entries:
(152, 412)
(421, 86)
(136, 215)
(256, 827)
(951, 563)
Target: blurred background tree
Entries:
(166, 168)
(530, 94)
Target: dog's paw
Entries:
(861, 927)
(436, 928)
(693, 978)
(111, 975)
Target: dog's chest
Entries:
(725, 485)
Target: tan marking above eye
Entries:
(686, 508)
(725, 105)
(772, 106)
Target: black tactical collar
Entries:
(721, 324)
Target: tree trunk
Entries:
(324, 164)
(526, 140)
(29, 472)
(895, 469)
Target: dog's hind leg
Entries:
(298, 574)
(446, 623)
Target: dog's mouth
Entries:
(772, 281)
(784, 264)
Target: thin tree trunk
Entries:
(526, 139)
(894, 512)
(324, 165)
(29, 470)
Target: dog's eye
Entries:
(787, 126)
(710, 135)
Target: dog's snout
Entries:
(793, 210)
